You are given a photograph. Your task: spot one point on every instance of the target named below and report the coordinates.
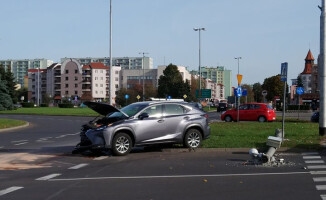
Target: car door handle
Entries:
(160, 121)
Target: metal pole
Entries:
(143, 74)
(283, 113)
(322, 72)
(238, 58)
(38, 87)
(110, 69)
(199, 29)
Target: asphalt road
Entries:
(36, 163)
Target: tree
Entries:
(171, 83)
(257, 90)
(10, 83)
(274, 87)
(299, 81)
(5, 99)
(250, 94)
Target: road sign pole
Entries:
(284, 69)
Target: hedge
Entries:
(44, 105)
(27, 105)
(66, 105)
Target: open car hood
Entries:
(103, 108)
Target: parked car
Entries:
(196, 105)
(315, 117)
(250, 112)
(222, 107)
(143, 123)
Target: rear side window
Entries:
(174, 109)
(269, 107)
(254, 106)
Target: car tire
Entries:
(262, 119)
(228, 118)
(192, 138)
(121, 144)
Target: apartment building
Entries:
(37, 85)
(219, 75)
(217, 90)
(123, 62)
(20, 68)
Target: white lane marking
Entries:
(179, 176)
(101, 158)
(314, 161)
(61, 136)
(319, 179)
(44, 178)
(317, 172)
(316, 166)
(311, 157)
(323, 196)
(8, 190)
(21, 143)
(321, 187)
(78, 166)
(309, 153)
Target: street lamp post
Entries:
(143, 73)
(238, 58)
(110, 69)
(199, 30)
(38, 87)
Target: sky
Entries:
(264, 33)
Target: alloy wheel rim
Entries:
(193, 140)
(122, 145)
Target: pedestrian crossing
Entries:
(315, 162)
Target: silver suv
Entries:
(143, 123)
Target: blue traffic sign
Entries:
(239, 91)
(126, 96)
(284, 71)
(169, 97)
(300, 90)
(244, 92)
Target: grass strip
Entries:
(8, 123)
(255, 134)
(52, 111)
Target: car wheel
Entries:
(192, 138)
(121, 144)
(262, 119)
(228, 118)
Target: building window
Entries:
(66, 92)
(101, 78)
(76, 85)
(116, 86)
(67, 71)
(76, 71)
(67, 85)
(116, 79)
(96, 78)
(76, 92)
(95, 92)
(96, 85)
(76, 78)
(95, 71)
(101, 85)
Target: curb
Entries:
(14, 128)
(203, 150)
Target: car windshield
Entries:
(130, 110)
(269, 107)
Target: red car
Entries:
(250, 112)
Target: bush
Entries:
(27, 105)
(44, 105)
(66, 105)
(296, 107)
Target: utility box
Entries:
(274, 141)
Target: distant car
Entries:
(250, 112)
(315, 117)
(196, 105)
(222, 107)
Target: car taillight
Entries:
(205, 115)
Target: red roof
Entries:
(309, 56)
(95, 66)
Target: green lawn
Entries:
(52, 111)
(7, 123)
(254, 134)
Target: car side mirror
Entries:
(143, 116)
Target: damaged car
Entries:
(143, 123)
